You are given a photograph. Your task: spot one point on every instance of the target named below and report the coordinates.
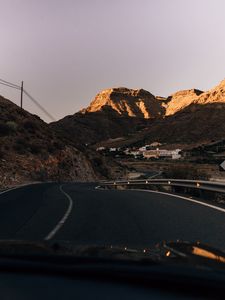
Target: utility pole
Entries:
(21, 96)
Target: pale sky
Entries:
(66, 51)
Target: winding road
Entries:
(80, 213)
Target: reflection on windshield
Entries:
(207, 254)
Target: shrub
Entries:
(29, 125)
(185, 172)
(36, 148)
(12, 125)
(7, 128)
(58, 145)
(21, 145)
(51, 148)
(22, 141)
(19, 149)
(4, 130)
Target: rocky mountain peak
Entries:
(127, 102)
(222, 84)
(193, 98)
(215, 95)
(180, 100)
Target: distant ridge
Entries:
(127, 102)
(136, 115)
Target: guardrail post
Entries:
(207, 190)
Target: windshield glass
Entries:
(112, 132)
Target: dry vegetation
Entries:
(32, 151)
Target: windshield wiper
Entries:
(178, 266)
(195, 253)
(188, 253)
(63, 251)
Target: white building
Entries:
(160, 153)
(151, 154)
(112, 149)
(174, 154)
(100, 149)
(144, 148)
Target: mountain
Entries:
(182, 99)
(195, 124)
(31, 150)
(191, 117)
(92, 127)
(113, 113)
(179, 100)
(127, 102)
(215, 95)
(121, 116)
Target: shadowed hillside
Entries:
(30, 150)
(188, 116)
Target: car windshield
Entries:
(112, 132)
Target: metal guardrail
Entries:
(197, 184)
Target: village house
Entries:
(162, 153)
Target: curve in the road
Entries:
(53, 232)
(107, 217)
(184, 198)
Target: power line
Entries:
(15, 86)
(7, 82)
(39, 105)
(12, 86)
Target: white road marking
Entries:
(9, 190)
(177, 196)
(184, 198)
(64, 218)
(18, 187)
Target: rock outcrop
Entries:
(188, 116)
(192, 116)
(215, 95)
(183, 99)
(127, 102)
(179, 100)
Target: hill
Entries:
(179, 100)
(113, 113)
(192, 117)
(186, 117)
(30, 150)
(127, 103)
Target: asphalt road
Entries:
(84, 215)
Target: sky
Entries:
(66, 51)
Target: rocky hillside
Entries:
(186, 117)
(215, 95)
(127, 103)
(179, 100)
(191, 117)
(196, 124)
(31, 151)
(92, 127)
(182, 99)
(113, 113)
